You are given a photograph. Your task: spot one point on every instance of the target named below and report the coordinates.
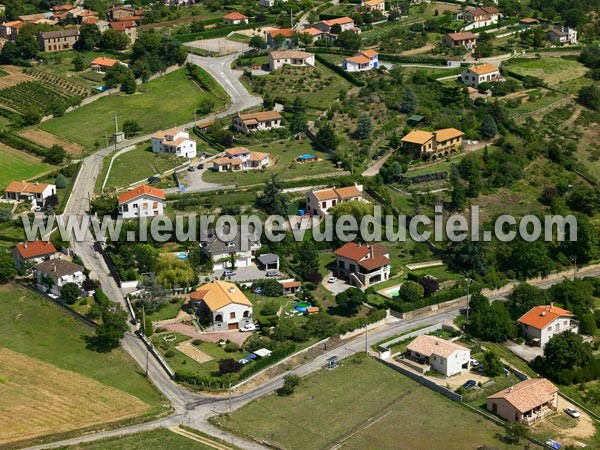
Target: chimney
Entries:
(510, 389)
(543, 313)
(25, 245)
(551, 305)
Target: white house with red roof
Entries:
(362, 264)
(373, 5)
(541, 323)
(235, 18)
(482, 16)
(143, 201)
(101, 64)
(33, 252)
(361, 61)
(319, 202)
(480, 73)
(37, 193)
(345, 23)
(448, 358)
(174, 141)
(240, 158)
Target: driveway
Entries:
(244, 274)
(193, 181)
(335, 288)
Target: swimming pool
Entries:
(391, 292)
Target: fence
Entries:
(458, 302)
(155, 353)
(359, 331)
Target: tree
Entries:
(7, 268)
(364, 127)
(351, 299)
(469, 255)
(409, 101)
(470, 169)
(89, 37)
(197, 27)
(129, 85)
(488, 128)
(290, 382)
(493, 365)
(574, 295)
(514, 432)
(70, 292)
(229, 365)
(131, 127)
(299, 118)
(326, 136)
(61, 181)
(489, 322)
(155, 296)
(524, 297)
(171, 272)
(116, 75)
(358, 210)
(430, 285)
(348, 40)
(321, 325)
(307, 261)
(565, 351)
(78, 63)
(104, 205)
(588, 324)
(590, 96)
(56, 154)
(257, 42)
(113, 40)
(112, 329)
(411, 291)
(272, 200)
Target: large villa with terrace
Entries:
(319, 202)
(223, 304)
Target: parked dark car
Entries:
(469, 384)
(152, 180)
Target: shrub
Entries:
(231, 347)
(197, 342)
(289, 383)
(61, 181)
(170, 353)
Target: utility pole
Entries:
(291, 19)
(367, 339)
(106, 137)
(145, 334)
(468, 295)
(230, 396)
(574, 267)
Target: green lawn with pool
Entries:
(162, 103)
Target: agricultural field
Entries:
(161, 439)
(318, 86)
(47, 140)
(139, 164)
(18, 165)
(552, 70)
(160, 111)
(282, 163)
(393, 409)
(52, 405)
(40, 331)
(36, 97)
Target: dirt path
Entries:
(416, 51)
(571, 120)
(203, 440)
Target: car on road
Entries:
(248, 327)
(273, 273)
(469, 384)
(332, 280)
(191, 169)
(229, 273)
(153, 179)
(573, 412)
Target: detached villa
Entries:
(224, 304)
(362, 61)
(541, 323)
(525, 402)
(240, 158)
(465, 39)
(37, 193)
(562, 36)
(33, 252)
(235, 18)
(443, 356)
(235, 253)
(174, 141)
(482, 73)
(362, 264)
(257, 121)
(53, 274)
(143, 201)
(319, 202)
(373, 5)
(433, 145)
(296, 58)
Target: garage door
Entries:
(232, 326)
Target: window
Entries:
(232, 315)
(155, 205)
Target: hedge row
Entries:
(208, 140)
(21, 144)
(284, 350)
(341, 72)
(199, 380)
(440, 297)
(359, 322)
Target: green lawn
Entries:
(364, 405)
(139, 164)
(168, 310)
(16, 165)
(160, 439)
(282, 163)
(159, 104)
(31, 325)
(552, 70)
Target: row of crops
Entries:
(59, 82)
(37, 98)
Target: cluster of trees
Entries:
(90, 38)
(113, 326)
(153, 52)
(23, 48)
(490, 322)
(121, 75)
(297, 115)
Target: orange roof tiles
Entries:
(286, 32)
(482, 69)
(359, 59)
(27, 188)
(235, 16)
(338, 21)
(447, 133)
(528, 394)
(418, 137)
(140, 191)
(461, 36)
(291, 284)
(104, 62)
(312, 31)
(35, 249)
(218, 294)
(356, 252)
(123, 25)
(325, 194)
(542, 316)
(236, 151)
(432, 345)
(369, 53)
(260, 116)
(258, 156)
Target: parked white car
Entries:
(229, 273)
(573, 412)
(332, 280)
(249, 327)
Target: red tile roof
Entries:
(235, 16)
(138, 192)
(286, 32)
(104, 62)
(123, 25)
(542, 316)
(35, 249)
